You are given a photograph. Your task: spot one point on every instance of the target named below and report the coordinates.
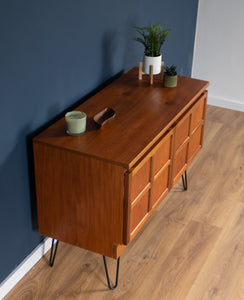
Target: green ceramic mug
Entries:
(76, 122)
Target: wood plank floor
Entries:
(192, 247)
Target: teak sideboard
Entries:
(97, 190)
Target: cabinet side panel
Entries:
(79, 199)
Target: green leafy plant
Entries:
(152, 37)
(171, 71)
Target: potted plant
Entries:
(170, 76)
(152, 37)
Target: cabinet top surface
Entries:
(143, 113)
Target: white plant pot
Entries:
(152, 61)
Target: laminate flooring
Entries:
(191, 248)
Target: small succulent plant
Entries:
(171, 71)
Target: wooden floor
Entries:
(192, 247)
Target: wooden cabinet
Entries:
(97, 190)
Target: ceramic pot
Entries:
(170, 81)
(152, 61)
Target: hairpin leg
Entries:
(53, 254)
(184, 180)
(106, 271)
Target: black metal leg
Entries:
(53, 254)
(184, 180)
(106, 271)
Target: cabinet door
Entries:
(161, 169)
(180, 161)
(195, 143)
(188, 137)
(140, 193)
(146, 186)
(182, 132)
(181, 140)
(197, 127)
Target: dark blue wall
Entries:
(52, 54)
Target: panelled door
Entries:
(148, 184)
(188, 137)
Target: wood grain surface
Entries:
(143, 114)
(80, 199)
(191, 249)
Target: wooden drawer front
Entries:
(182, 131)
(139, 210)
(140, 179)
(160, 186)
(195, 143)
(180, 161)
(197, 114)
(162, 154)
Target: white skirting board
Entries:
(226, 103)
(24, 267)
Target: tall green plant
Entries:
(152, 37)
